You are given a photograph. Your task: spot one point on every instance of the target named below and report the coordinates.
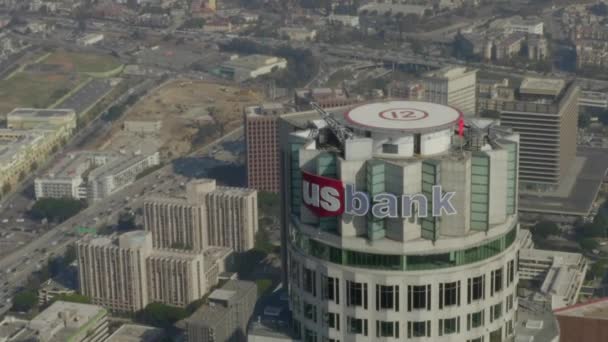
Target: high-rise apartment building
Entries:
(224, 318)
(207, 215)
(453, 86)
(374, 250)
(545, 114)
(262, 146)
(127, 273)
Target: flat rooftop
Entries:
(40, 113)
(542, 86)
(597, 309)
(580, 188)
(252, 61)
(404, 116)
(136, 333)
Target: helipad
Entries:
(402, 116)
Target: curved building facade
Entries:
(438, 263)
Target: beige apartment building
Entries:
(126, 273)
(453, 86)
(207, 215)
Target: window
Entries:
(419, 329)
(509, 303)
(387, 297)
(310, 312)
(356, 294)
(510, 272)
(495, 312)
(310, 336)
(479, 339)
(330, 288)
(496, 285)
(310, 281)
(295, 272)
(449, 294)
(475, 320)
(509, 327)
(333, 320)
(419, 297)
(327, 339)
(357, 326)
(476, 288)
(496, 335)
(387, 329)
(449, 326)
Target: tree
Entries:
(588, 244)
(6, 188)
(56, 209)
(25, 301)
(544, 229)
(597, 270)
(126, 221)
(73, 298)
(160, 315)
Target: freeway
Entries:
(57, 239)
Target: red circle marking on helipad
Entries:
(403, 114)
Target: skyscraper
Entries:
(262, 144)
(397, 227)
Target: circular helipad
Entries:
(410, 116)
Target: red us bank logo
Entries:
(323, 195)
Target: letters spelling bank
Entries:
(331, 197)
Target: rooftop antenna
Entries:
(341, 132)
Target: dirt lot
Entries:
(192, 113)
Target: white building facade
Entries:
(456, 87)
(364, 277)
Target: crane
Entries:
(341, 132)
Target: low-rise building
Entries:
(346, 20)
(324, 97)
(298, 33)
(584, 322)
(406, 90)
(226, 314)
(142, 126)
(248, 67)
(531, 25)
(30, 118)
(92, 175)
(50, 290)
(136, 333)
(63, 321)
(510, 46)
(90, 39)
(21, 151)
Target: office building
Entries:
(225, 316)
(560, 274)
(126, 273)
(136, 333)
(22, 150)
(63, 321)
(262, 146)
(244, 68)
(584, 322)
(29, 118)
(92, 175)
(545, 114)
(368, 272)
(453, 86)
(206, 215)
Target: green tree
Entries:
(584, 120)
(160, 315)
(56, 209)
(544, 229)
(126, 221)
(269, 204)
(262, 241)
(25, 301)
(588, 244)
(73, 298)
(597, 270)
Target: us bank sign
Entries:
(331, 197)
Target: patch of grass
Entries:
(83, 62)
(27, 90)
